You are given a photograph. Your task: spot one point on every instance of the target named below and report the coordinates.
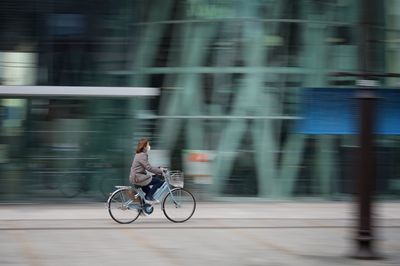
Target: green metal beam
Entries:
(149, 43)
(189, 100)
(217, 70)
(249, 99)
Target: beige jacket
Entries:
(140, 164)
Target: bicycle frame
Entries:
(164, 189)
(160, 193)
(124, 200)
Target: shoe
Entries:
(151, 200)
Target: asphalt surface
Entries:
(260, 233)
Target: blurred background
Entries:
(231, 75)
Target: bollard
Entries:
(366, 176)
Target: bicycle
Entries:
(127, 203)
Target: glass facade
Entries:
(230, 72)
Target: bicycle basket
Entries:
(176, 178)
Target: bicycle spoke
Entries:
(123, 209)
(179, 205)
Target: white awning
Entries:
(75, 91)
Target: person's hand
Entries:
(164, 169)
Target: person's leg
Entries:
(146, 189)
(156, 183)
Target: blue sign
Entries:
(336, 111)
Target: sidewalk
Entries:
(269, 210)
(262, 233)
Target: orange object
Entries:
(198, 157)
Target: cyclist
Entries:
(138, 175)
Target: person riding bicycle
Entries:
(138, 175)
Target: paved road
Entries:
(218, 234)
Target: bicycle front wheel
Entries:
(123, 208)
(179, 205)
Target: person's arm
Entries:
(144, 160)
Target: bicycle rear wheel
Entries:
(122, 208)
(179, 205)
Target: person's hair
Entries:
(142, 145)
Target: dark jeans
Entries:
(155, 183)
